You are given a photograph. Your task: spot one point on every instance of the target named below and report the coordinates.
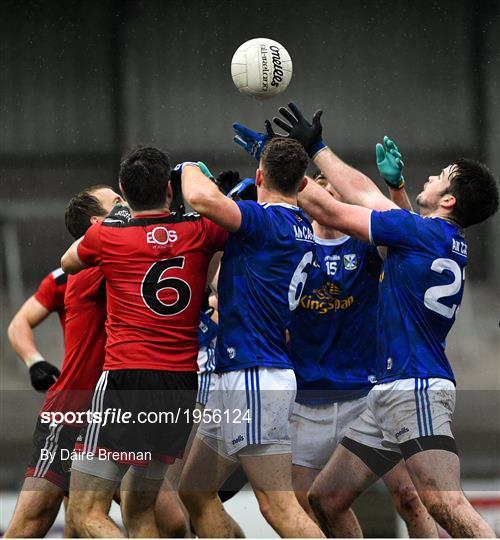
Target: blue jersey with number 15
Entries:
(420, 292)
(262, 275)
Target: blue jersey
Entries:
(262, 275)
(420, 292)
(207, 330)
(333, 332)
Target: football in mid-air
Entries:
(261, 68)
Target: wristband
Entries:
(34, 359)
(316, 149)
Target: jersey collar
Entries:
(331, 241)
(285, 205)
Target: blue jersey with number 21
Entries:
(262, 275)
(420, 293)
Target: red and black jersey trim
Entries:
(154, 220)
(61, 279)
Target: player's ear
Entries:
(121, 189)
(258, 177)
(170, 192)
(448, 201)
(95, 219)
(303, 184)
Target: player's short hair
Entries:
(475, 190)
(81, 208)
(284, 162)
(144, 176)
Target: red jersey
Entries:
(84, 342)
(51, 291)
(155, 268)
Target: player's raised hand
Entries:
(309, 134)
(43, 375)
(244, 191)
(252, 141)
(226, 180)
(390, 163)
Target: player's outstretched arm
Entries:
(204, 196)
(348, 218)
(20, 334)
(70, 261)
(354, 186)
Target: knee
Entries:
(330, 502)
(441, 504)
(194, 501)
(177, 526)
(406, 500)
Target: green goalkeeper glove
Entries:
(390, 164)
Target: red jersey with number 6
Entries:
(155, 268)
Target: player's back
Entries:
(420, 293)
(333, 331)
(155, 268)
(263, 271)
(84, 342)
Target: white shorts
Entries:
(249, 410)
(318, 429)
(206, 375)
(402, 410)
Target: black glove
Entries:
(227, 180)
(308, 134)
(177, 205)
(43, 375)
(120, 213)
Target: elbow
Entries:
(67, 265)
(201, 201)
(196, 198)
(11, 329)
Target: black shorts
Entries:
(139, 415)
(51, 458)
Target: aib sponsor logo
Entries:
(161, 236)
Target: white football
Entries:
(261, 68)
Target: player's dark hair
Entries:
(81, 208)
(144, 176)
(475, 190)
(284, 162)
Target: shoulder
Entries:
(58, 276)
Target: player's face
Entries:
(323, 182)
(107, 198)
(432, 192)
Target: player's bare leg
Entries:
(338, 485)
(302, 479)
(138, 497)
(436, 475)
(204, 472)
(172, 517)
(408, 504)
(36, 509)
(68, 530)
(271, 480)
(89, 503)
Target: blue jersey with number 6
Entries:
(421, 289)
(262, 275)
